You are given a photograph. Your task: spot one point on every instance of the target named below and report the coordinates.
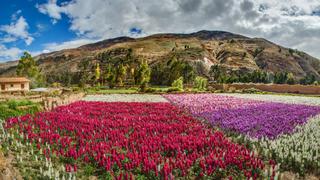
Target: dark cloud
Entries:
(246, 5)
(189, 6)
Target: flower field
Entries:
(189, 136)
(288, 133)
(123, 140)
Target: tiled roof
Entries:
(13, 79)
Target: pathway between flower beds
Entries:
(125, 98)
(288, 99)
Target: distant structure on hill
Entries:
(14, 84)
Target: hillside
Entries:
(201, 49)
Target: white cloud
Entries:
(272, 19)
(9, 53)
(66, 45)
(17, 30)
(51, 9)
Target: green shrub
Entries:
(14, 108)
(200, 83)
(251, 90)
(174, 89)
(178, 84)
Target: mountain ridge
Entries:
(232, 51)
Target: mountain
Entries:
(201, 49)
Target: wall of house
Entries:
(14, 87)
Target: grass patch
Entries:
(14, 108)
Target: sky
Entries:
(49, 25)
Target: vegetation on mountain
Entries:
(220, 57)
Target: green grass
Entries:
(14, 108)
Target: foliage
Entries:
(27, 67)
(143, 75)
(118, 67)
(164, 73)
(290, 79)
(280, 78)
(97, 72)
(251, 91)
(178, 84)
(222, 75)
(13, 108)
(307, 80)
(200, 83)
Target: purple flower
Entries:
(251, 117)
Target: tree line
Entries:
(121, 67)
(220, 74)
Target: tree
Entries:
(200, 83)
(84, 73)
(188, 73)
(280, 78)
(110, 76)
(290, 79)
(121, 73)
(215, 72)
(98, 72)
(27, 67)
(309, 79)
(143, 75)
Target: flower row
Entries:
(300, 150)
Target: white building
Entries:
(14, 84)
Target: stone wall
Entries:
(278, 88)
(50, 103)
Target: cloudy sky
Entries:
(49, 25)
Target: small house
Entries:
(14, 84)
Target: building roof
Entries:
(13, 79)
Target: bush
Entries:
(251, 90)
(76, 89)
(151, 90)
(55, 85)
(178, 84)
(17, 108)
(174, 89)
(200, 83)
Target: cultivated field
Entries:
(139, 136)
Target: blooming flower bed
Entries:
(288, 133)
(134, 139)
(300, 150)
(254, 118)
